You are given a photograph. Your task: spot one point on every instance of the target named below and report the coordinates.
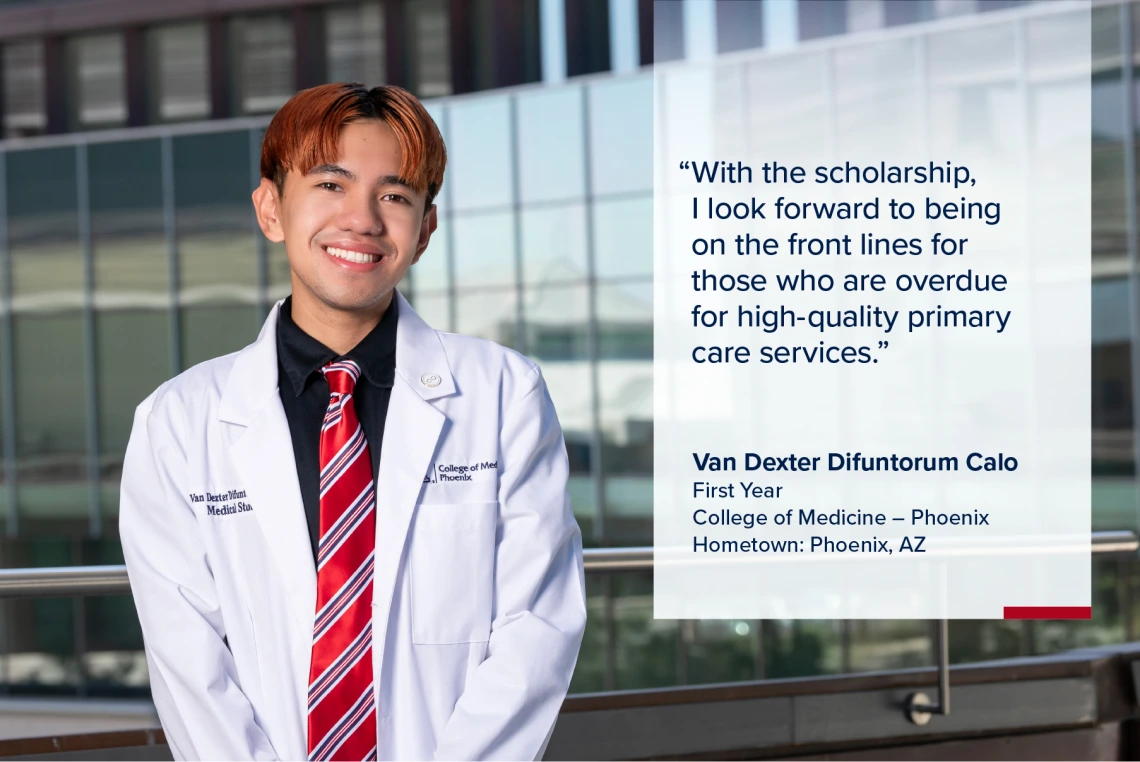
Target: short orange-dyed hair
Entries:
(305, 132)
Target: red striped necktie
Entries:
(342, 707)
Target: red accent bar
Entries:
(1048, 612)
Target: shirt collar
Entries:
(300, 355)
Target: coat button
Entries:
(430, 379)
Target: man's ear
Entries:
(267, 206)
(427, 227)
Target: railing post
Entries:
(919, 708)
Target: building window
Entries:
(23, 87)
(822, 19)
(668, 32)
(179, 70)
(940, 9)
(739, 25)
(354, 41)
(430, 54)
(263, 62)
(865, 15)
(588, 36)
(97, 68)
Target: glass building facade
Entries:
(128, 255)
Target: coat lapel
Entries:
(413, 426)
(262, 454)
(264, 458)
(411, 434)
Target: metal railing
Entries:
(112, 580)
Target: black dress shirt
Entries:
(305, 397)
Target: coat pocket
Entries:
(452, 572)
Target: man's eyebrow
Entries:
(333, 169)
(395, 180)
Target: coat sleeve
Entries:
(512, 700)
(193, 678)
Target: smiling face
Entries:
(352, 228)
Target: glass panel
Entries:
(98, 67)
(551, 160)
(41, 633)
(431, 272)
(1113, 488)
(625, 321)
(1051, 49)
(484, 250)
(1109, 125)
(280, 276)
(1109, 222)
(580, 485)
(941, 9)
(1113, 465)
(488, 314)
(557, 325)
(216, 330)
(128, 239)
(870, 645)
(822, 19)
(873, 82)
(982, 114)
(625, 384)
(978, 53)
(1105, 35)
(133, 359)
(23, 88)
(621, 135)
(179, 65)
(480, 153)
(483, 50)
(623, 237)
(782, 85)
(433, 308)
(739, 25)
(648, 650)
(43, 227)
(430, 43)
(51, 423)
(557, 322)
(263, 62)
(668, 32)
(114, 659)
(554, 244)
(354, 39)
(590, 669)
(217, 255)
(731, 114)
(719, 650)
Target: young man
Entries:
(352, 539)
